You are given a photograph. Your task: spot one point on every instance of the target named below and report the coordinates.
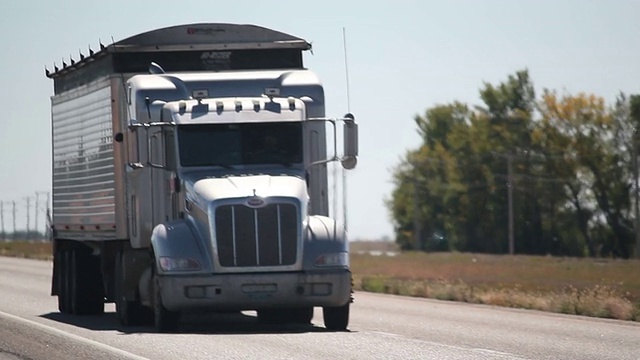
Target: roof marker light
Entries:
(272, 92)
(292, 103)
(200, 94)
(219, 106)
(256, 105)
(238, 105)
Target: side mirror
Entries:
(350, 135)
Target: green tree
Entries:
(594, 141)
(421, 203)
(508, 115)
(563, 166)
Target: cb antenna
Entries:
(344, 172)
(346, 67)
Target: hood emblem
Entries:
(255, 202)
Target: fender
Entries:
(179, 239)
(323, 236)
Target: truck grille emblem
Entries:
(255, 202)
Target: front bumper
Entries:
(254, 291)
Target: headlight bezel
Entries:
(170, 264)
(339, 260)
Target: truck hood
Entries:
(211, 189)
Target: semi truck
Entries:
(189, 169)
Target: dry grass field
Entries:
(27, 249)
(593, 287)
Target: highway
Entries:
(382, 327)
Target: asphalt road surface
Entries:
(382, 327)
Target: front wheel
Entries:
(300, 316)
(130, 312)
(336, 318)
(165, 320)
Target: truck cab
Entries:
(220, 181)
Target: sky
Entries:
(403, 57)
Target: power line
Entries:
(33, 206)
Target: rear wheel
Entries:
(80, 282)
(86, 290)
(165, 320)
(336, 318)
(63, 276)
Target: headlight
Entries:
(337, 259)
(178, 264)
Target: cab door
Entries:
(161, 174)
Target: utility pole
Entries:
(28, 215)
(636, 195)
(510, 200)
(39, 235)
(14, 219)
(2, 221)
(417, 226)
(49, 221)
(35, 225)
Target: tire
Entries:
(63, 281)
(165, 321)
(130, 312)
(84, 282)
(336, 318)
(269, 316)
(301, 316)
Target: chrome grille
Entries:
(265, 236)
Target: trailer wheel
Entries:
(130, 312)
(336, 318)
(165, 320)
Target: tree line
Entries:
(521, 174)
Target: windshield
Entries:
(240, 144)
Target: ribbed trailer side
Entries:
(84, 187)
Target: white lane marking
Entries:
(81, 339)
(459, 348)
